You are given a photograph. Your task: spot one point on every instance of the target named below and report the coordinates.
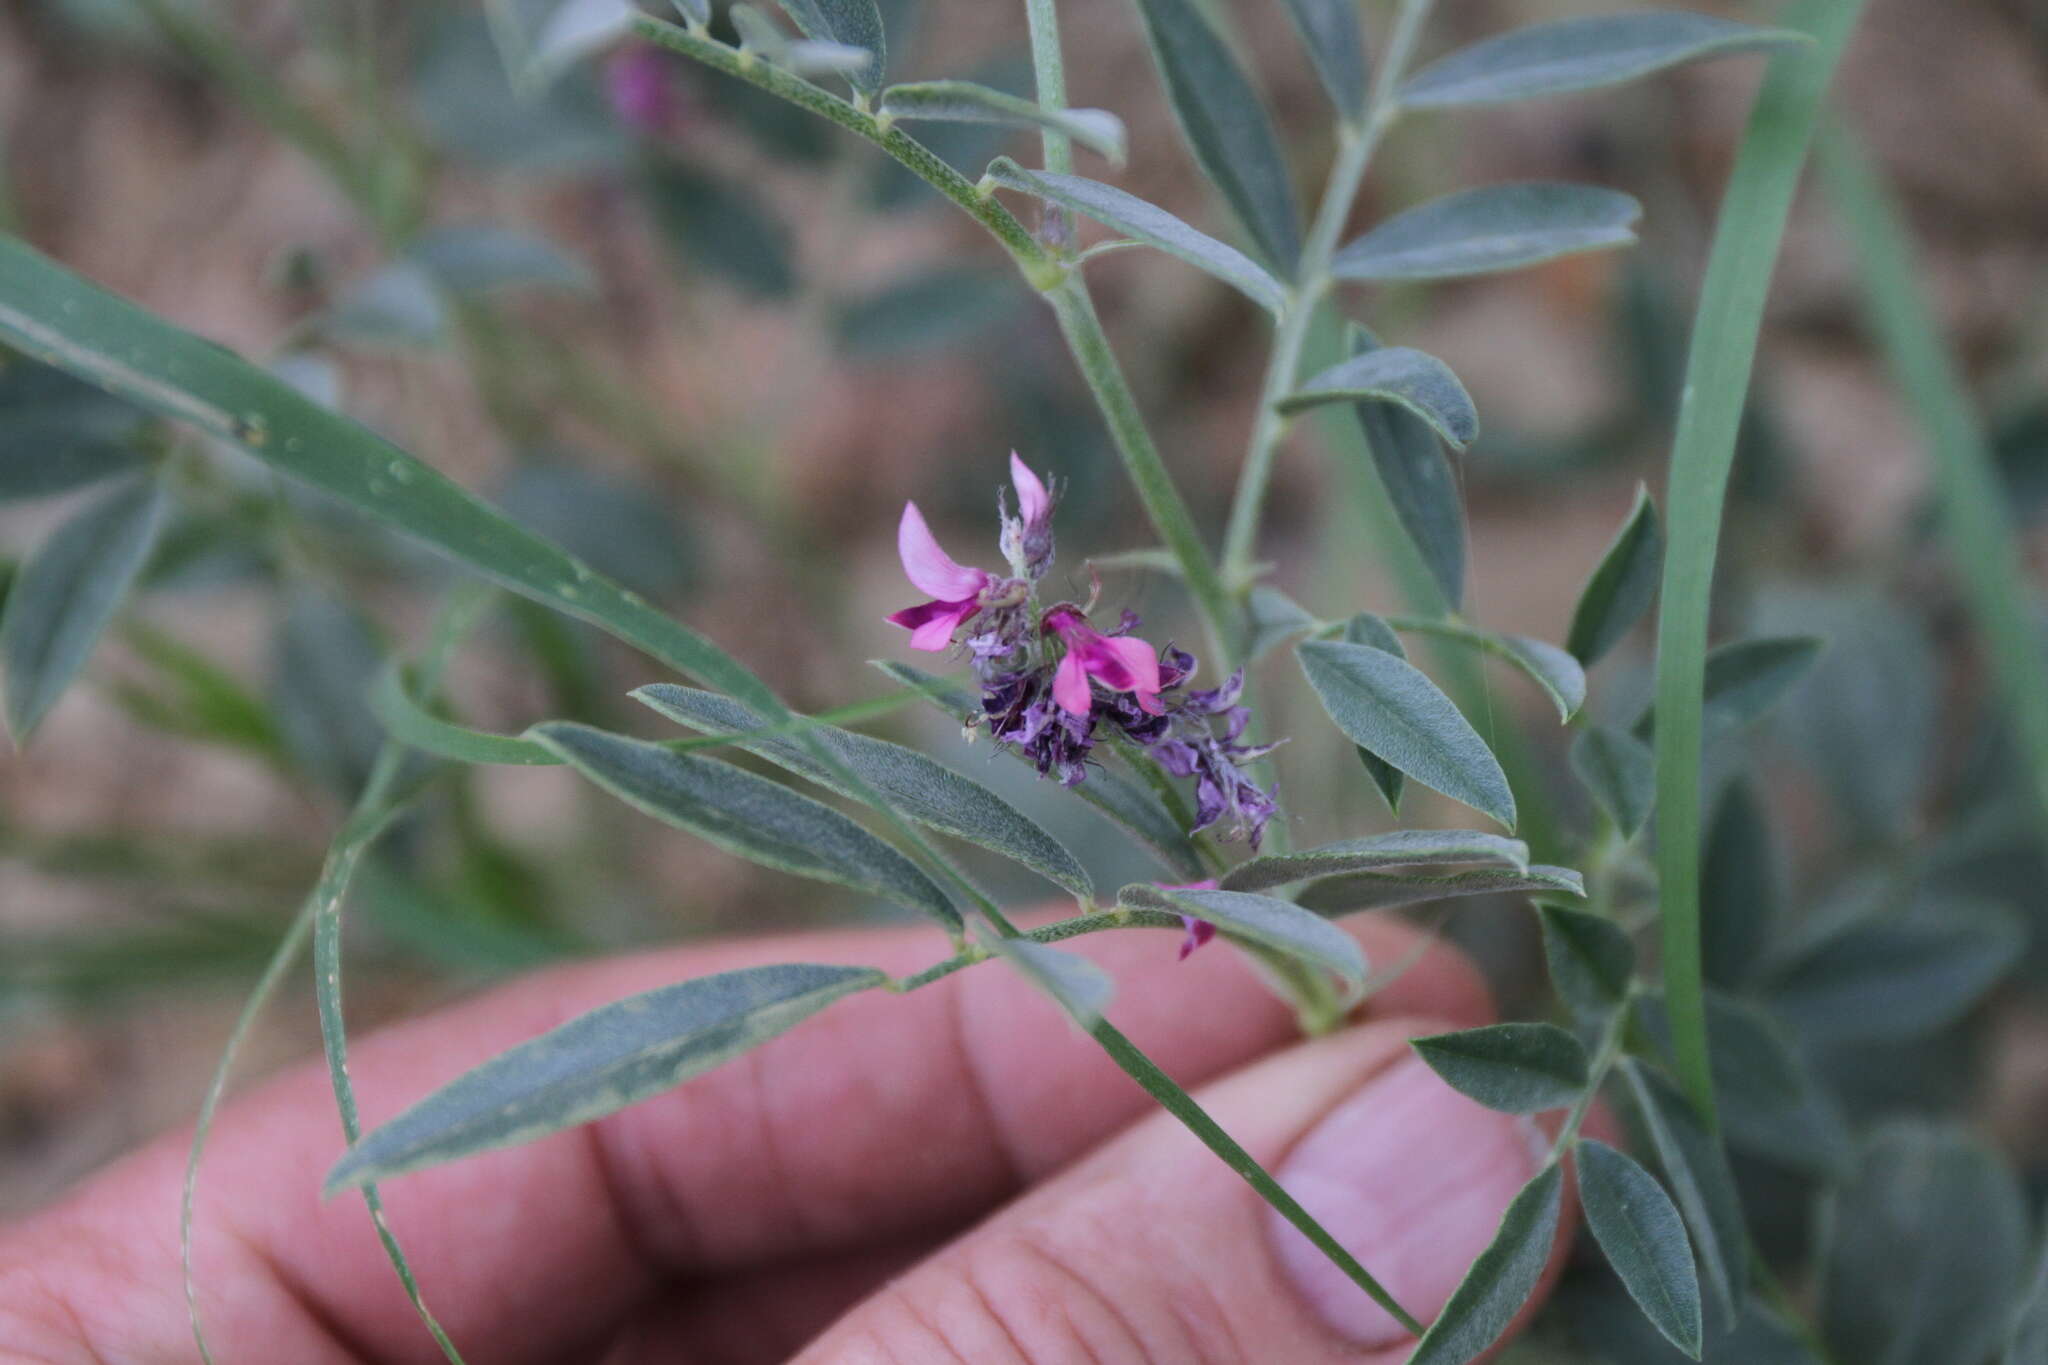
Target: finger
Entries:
(1150, 1251)
(885, 1115)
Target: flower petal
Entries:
(1070, 685)
(931, 624)
(1199, 931)
(1033, 502)
(930, 567)
(1138, 663)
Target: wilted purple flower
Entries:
(1199, 931)
(638, 81)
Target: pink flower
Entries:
(1121, 663)
(1199, 931)
(1034, 504)
(637, 79)
(956, 589)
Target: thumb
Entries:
(1150, 1250)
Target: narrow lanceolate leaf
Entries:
(1388, 706)
(1147, 223)
(966, 102)
(1590, 960)
(1226, 124)
(1745, 679)
(1580, 54)
(746, 815)
(1397, 848)
(1368, 629)
(1266, 920)
(1550, 668)
(1329, 30)
(1420, 485)
(1501, 1280)
(850, 23)
(1401, 375)
(1622, 587)
(1356, 891)
(481, 258)
(1492, 228)
(1697, 1167)
(62, 598)
(1077, 985)
(1275, 618)
(597, 1064)
(1618, 769)
(1638, 1227)
(1925, 1251)
(576, 29)
(920, 788)
(1515, 1068)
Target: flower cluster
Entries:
(1053, 685)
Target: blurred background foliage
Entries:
(710, 345)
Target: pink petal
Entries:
(1070, 685)
(931, 624)
(1033, 502)
(1125, 664)
(1199, 931)
(930, 567)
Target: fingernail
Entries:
(1412, 1178)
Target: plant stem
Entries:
(1049, 68)
(1356, 145)
(1605, 1055)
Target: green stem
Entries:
(1605, 1055)
(1355, 149)
(1050, 69)
(1723, 351)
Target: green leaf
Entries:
(1744, 679)
(1275, 618)
(1077, 985)
(1622, 587)
(204, 701)
(1637, 1226)
(66, 592)
(78, 435)
(809, 56)
(1122, 800)
(597, 1064)
(1396, 848)
(1590, 959)
(482, 258)
(697, 12)
(1388, 706)
(1697, 1167)
(1740, 888)
(1265, 920)
(576, 29)
(851, 23)
(1147, 223)
(1887, 977)
(934, 312)
(966, 102)
(1544, 664)
(719, 224)
(1618, 769)
(398, 306)
(1514, 1068)
(746, 815)
(325, 657)
(2027, 1343)
(1402, 375)
(1357, 891)
(1489, 229)
(1226, 125)
(1925, 1251)
(1580, 54)
(1501, 1280)
(1368, 629)
(1329, 30)
(918, 787)
(1419, 483)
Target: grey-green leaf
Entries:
(1741, 887)
(1080, 987)
(1746, 678)
(480, 257)
(1388, 706)
(1515, 1068)
(597, 1064)
(1639, 1228)
(1590, 959)
(1491, 228)
(1147, 223)
(2027, 1341)
(967, 102)
(1623, 585)
(1368, 629)
(746, 815)
(62, 598)
(851, 23)
(1544, 664)
(1266, 920)
(1275, 618)
(1396, 848)
(1419, 482)
(1580, 54)
(1357, 891)
(1697, 1167)
(1402, 375)
(1501, 1280)
(920, 788)
(1226, 124)
(1925, 1251)
(1620, 772)
(1329, 30)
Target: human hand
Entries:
(948, 1176)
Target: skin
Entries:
(952, 1175)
